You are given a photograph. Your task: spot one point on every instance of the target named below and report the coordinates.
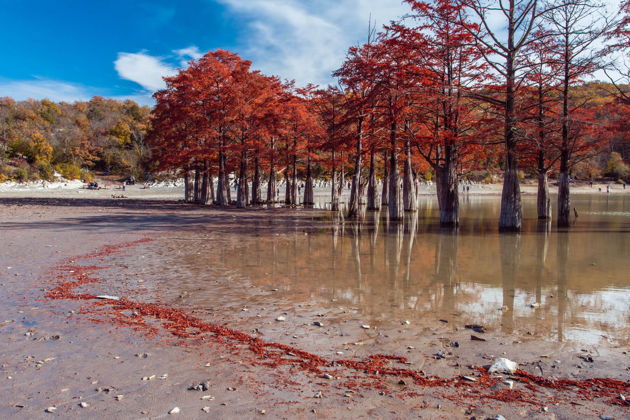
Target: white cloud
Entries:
(144, 69)
(188, 53)
(44, 89)
(307, 40)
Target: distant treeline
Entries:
(39, 138)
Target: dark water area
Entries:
(570, 285)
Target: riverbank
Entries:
(127, 359)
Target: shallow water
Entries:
(569, 285)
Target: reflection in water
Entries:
(563, 255)
(514, 283)
(510, 249)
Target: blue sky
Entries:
(71, 50)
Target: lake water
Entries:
(568, 285)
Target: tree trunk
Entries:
(371, 190)
(309, 197)
(543, 199)
(256, 194)
(271, 184)
(334, 192)
(287, 190)
(228, 185)
(197, 187)
(564, 198)
(342, 176)
(294, 197)
(410, 200)
(446, 181)
(395, 202)
(385, 191)
(222, 183)
(511, 209)
(242, 196)
(564, 203)
(212, 197)
(188, 187)
(205, 184)
(353, 205)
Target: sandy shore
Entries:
(125, 360)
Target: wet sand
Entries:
(61, 352)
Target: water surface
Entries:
(567, 285)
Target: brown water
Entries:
(558, 286)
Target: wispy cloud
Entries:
(45, 89)
(188, 53)
(306, 40)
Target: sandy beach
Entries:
(74, 355)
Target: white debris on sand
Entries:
(503, 365)
(62, 184)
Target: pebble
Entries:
(175, 410)
(51, 409)
(207, 397)
(281, 318)
(318, 395)
(327, 376)
(84, 405)
(469, 378)
(119, 397)
(318, 324)
(365, 327)
(605, 417)
(206, 409)
(107, 297)
(509, 383)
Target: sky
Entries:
(67, 50)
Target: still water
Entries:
(568, 285)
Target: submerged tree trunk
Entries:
(446, 181)
(395, 202)
(242, 194)
(371, 190)
(564, 197)
(564, 200)
(410, 199)
(256, 194)
(543, 199)
(511, 208)
(385, 191)
(309, 196)
(355, 191)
